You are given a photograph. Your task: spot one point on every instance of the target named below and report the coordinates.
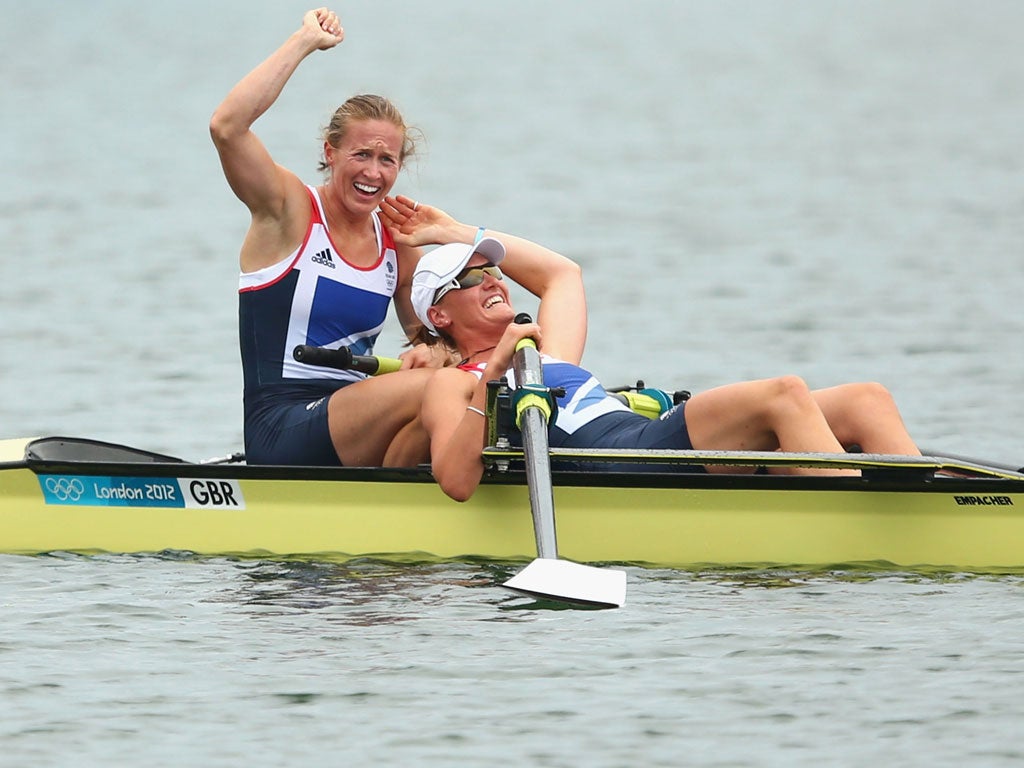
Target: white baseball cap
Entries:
(439, 267)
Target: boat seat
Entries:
(55, 449)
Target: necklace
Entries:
(474, 354)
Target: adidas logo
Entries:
(324, 257)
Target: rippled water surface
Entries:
(830, 189)
(218, 662)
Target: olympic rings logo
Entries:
(64, 489)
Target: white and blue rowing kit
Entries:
(589, 417)
(313, 296)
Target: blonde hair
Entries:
(368, 106)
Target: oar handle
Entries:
(342, 359)
(530, 390)
(523, 319)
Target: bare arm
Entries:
(458, 433)
(556, 280)
(408, 256)
(274, 196)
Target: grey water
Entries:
(832, 189)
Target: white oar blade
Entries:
(572, 582)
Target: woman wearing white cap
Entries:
(459, 291)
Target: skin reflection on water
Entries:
(365, 592)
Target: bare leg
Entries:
(865, 414)
(410, 447)
(765, 415)
(376, 422)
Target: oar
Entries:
(343, 359)
(548, 576)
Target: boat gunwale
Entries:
(641, 480)
(504, 467)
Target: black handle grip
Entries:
(343, 359)
(523, 318)
(340, 358)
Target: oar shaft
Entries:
(527, 367)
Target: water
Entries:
(829, 189)
(116, 659)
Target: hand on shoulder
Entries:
(427, 356)
(413, 223)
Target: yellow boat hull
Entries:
(971, 524)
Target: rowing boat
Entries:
(639, 507)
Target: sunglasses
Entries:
(467, 278)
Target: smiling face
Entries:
(365, 164)
(481, 309)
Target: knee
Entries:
(871, 395)
(790, 389)
(788, 393)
